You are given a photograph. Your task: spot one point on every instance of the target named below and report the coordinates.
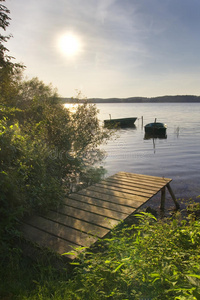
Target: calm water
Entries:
(177, 157)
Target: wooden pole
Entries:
(163, 193)
(173, 196)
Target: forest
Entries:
(161, 99)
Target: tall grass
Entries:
(152, 259)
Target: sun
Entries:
(69, 44)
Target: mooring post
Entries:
(163, 193)
(173, 196)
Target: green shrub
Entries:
(153, 260)
(150, 260)
(43, 155)
(26, 182)
(45, 149)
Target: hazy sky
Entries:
(116, 48)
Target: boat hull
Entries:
(123, 122)
(157, 129)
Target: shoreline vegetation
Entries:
(150, 259)
(44, 148)
(162, 99)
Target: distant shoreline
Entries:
(162, 99)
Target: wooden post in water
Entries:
(173, 196)
(163, 193)
(142, 121)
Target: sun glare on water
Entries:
(69, 44)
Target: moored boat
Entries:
(122, 122)
(155, 128)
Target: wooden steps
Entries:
(91, 213)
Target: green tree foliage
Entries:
(45, 149)
(4, 22)
(9, 72)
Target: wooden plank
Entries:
(92, 208)
(91, 213)
(127, 188)
(153, 179)
(151, 182)
(69, 234)
(114, 190)
(135, 182)
(81, 225)
(146, 177)
(144, 183)
(88, 216)
(119, 207)
(44, 239)
(115, 197)
(132, 182)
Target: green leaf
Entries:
(155, 275)
(118, 267)
(107, 261)
(194, 275)
(68, 253)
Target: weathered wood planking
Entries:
(91, 213)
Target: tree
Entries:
(4, 22)
(9, 72)
(45, 148)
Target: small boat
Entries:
(123, 122)
(155, 128)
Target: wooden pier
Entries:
(91, 213)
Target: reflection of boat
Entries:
(149, 136)
(154, 136)
(155, 129)
(123, 122)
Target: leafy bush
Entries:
(26, 181)
(152, 260)
(45, 148)
(44, 151)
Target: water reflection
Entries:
(126, 128)
(149, 136)
(177, 131)
(154, 137)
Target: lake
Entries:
(176, 157)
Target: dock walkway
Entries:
(91, 213)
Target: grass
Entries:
(152, 259)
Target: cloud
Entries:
(124, 43)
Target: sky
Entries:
(109, 48)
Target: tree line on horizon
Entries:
(160, 99)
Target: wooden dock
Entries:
(91, 213)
